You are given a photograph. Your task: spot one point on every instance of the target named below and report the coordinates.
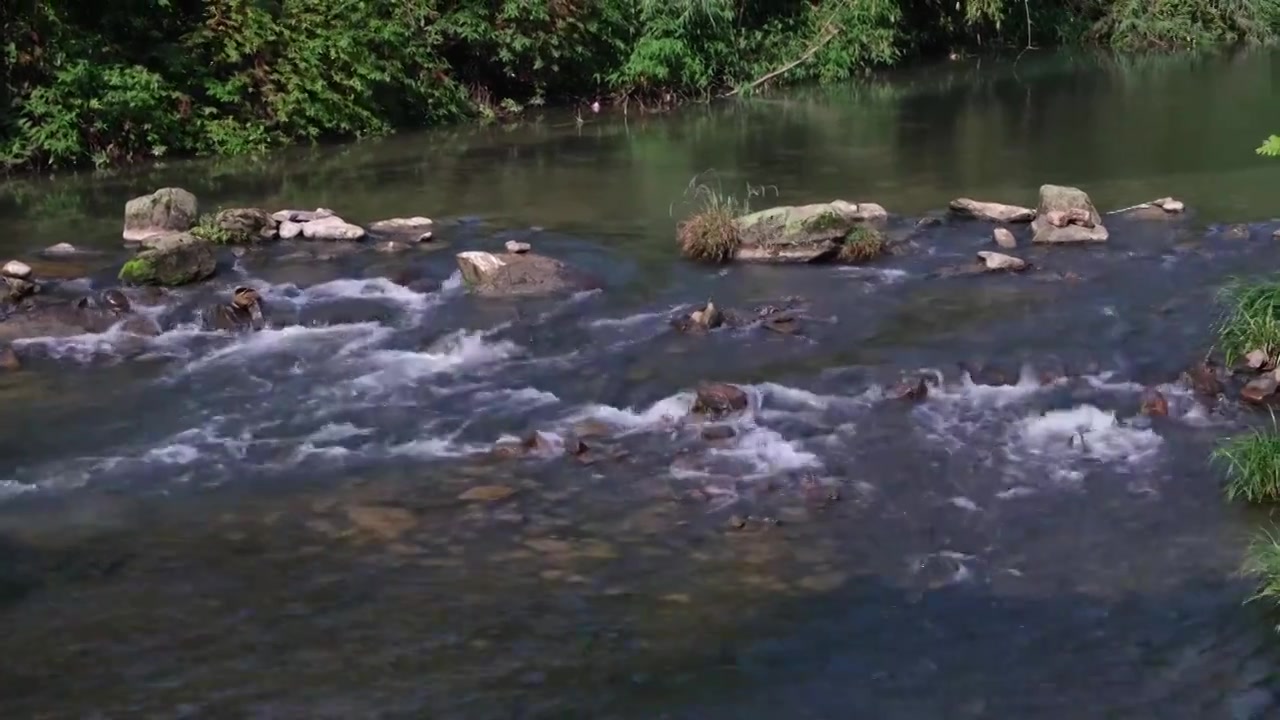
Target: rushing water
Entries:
(270, 526)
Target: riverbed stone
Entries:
(1260, 390)
(166, 210)
(515, 274)
(9, 361)
(16, 269)
(803, 233)
(331, 227)
(994, 212)
(172, 259)
(515, 247)
(1004, 238)
(289, 229)
(1066, 215)
(716, 400)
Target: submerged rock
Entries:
(1204, 380)
(995, 212)
(244, 312)
(172, 259)
(702, 320)
(86, 315)
(1154, 403)
(512, 274)
(1066, 215)
(9, 361)
(913, 390)
(804, 233)
(166, 210)
(718, 400)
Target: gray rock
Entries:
(995, 261)
(165, 210)
(1066, 215)
(995, 212)
(1004, 238)
(523, 274)
(516, 247)
(410, 225)
(61, 250)
(301, 216)
(803, 233)
(172, 259)
(331, 227)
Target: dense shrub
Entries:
(87, 82)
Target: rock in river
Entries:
(717, 400)
(331, 228)
(1004, 238)
(163, 211)
(994, 261)
(245, 225)
(513, 274)
(1067, 215)
(171, 259)
(995, 212)
(804, 233)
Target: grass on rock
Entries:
(863, 244)
(1251, 320)
(1253, 466)
(711, 233)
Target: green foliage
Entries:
(208, 228)
(1270, 148)
(82, 83)
(1253, 466)
(138, 271)
(1262, 562)
(1251, 320)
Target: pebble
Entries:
(1004, 238)
(516, 248)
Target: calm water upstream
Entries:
(269, 526)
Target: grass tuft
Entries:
(207, 228)
(1262, 563)
(1253, 466)
(862, 244)
(711, 233)
(1251, 320)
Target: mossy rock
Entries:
(173, 259)
(803, 233)
(237, 226)
(165, 210)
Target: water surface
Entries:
(271, 526)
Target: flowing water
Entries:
(272, 525)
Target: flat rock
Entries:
(415, 224)
(514, 274)
(331, 227)
(994, 212)
(165, 210)
(246, 225)
(995, 261)
(516, 247)
(1080, 221)
(802, 233)
(301, 216)
(487, 493)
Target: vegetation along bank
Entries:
(149, 78)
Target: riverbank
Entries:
(213, 78)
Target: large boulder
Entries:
(165, 210)
(510, 274)
(803, 233)
(172, 259)
(1066, 215)
(995, 212)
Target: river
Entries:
(270, 526)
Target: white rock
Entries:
(1170, 205)
(61, 249)
(289, 229)
(331, 227)
(1004, 238)
(401, 224)
(477, 266)
(1000, 261)
(995, 212)
(516, 247)
(16, 269)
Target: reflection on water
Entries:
(310, 522)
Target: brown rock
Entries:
(1203, 378)
(914, 390)
(386, 523)
(1154, 403)
(997, 262)
(9, 360)
(1067, 215)
(716, 400)
(1257, 359)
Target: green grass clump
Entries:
(1262, 562)
(711, 233)
(863, 244)
(1253, 466)
(207, 228)
(1251, 320)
